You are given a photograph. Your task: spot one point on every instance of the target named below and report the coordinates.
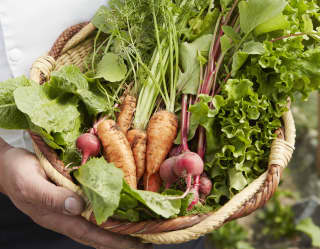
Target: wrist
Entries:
(4, 147)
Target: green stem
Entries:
(94, 49)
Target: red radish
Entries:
(89, 145)
(166, 171)
(205, 186)
(188, 164)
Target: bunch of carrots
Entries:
(141, 139)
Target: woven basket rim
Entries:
(260, 188)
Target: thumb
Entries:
(56, 199)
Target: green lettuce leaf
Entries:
(53, 115)
(155, 202)
(102, 184)
(69, 79)
(10, 116)
(252, 47)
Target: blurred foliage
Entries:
(304, 158)
(277, 219)
(231, 236)
(313, 231)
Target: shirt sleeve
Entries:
(5, 72)
(31, 27)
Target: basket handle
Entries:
(43, 66)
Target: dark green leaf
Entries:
(226, 43)
(69, 79)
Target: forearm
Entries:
(3, 148)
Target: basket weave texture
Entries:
(72, 46)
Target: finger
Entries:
(53, 198)
(36, 191)
(89, 234)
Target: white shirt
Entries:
(28, 29)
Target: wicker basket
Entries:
(72, 47)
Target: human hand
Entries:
(23, 180)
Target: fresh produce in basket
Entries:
(201, 87)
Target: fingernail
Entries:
(72, 206)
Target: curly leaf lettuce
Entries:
(241, 129)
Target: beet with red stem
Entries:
(186, 165)
(195, 191)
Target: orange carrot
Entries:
(153, 184)
(161, 132)
(117, 150)
(138, 141)
(127, 109)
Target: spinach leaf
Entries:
(102, 184)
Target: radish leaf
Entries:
(102, 184)
(256, 12)
(188, 81)
(111, 68)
